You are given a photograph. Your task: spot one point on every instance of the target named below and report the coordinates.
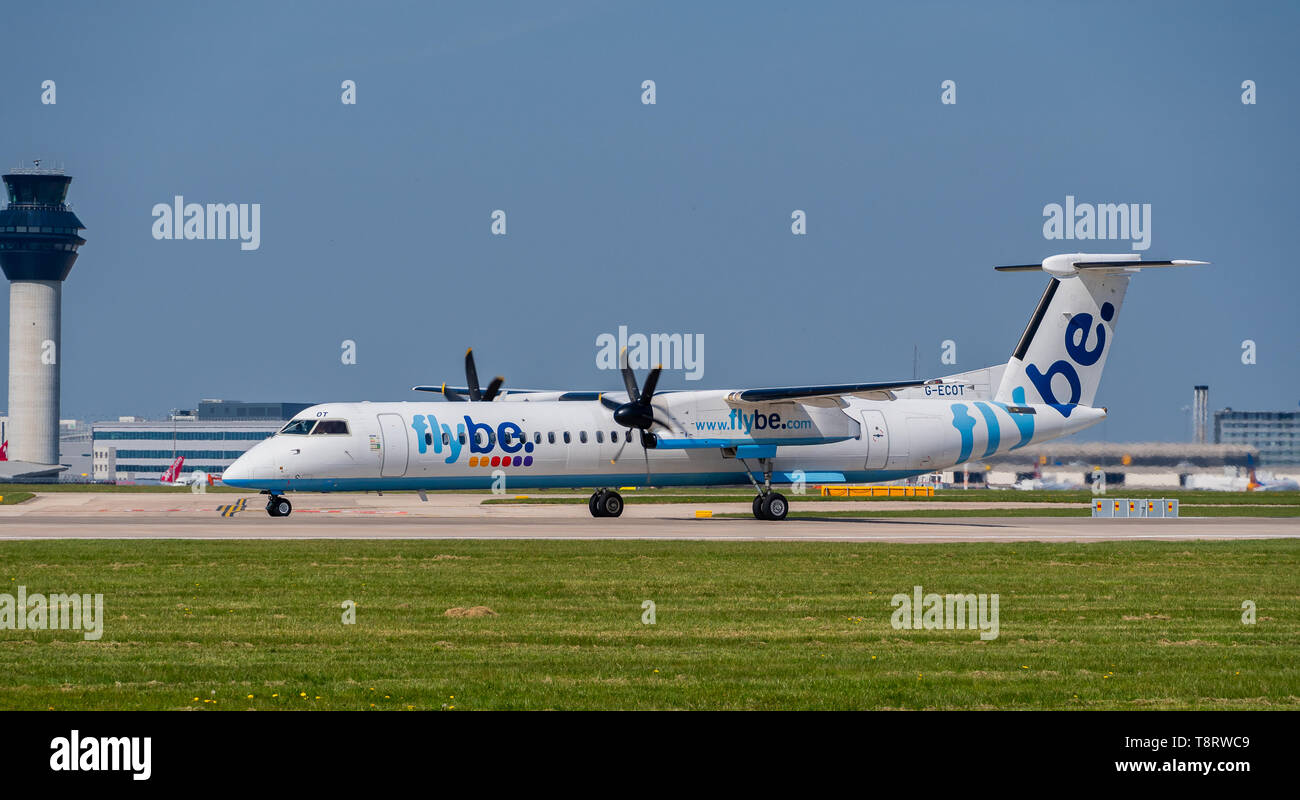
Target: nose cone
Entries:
(252, 466)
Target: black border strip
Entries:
(1034, 321)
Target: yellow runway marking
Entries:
(234, 508)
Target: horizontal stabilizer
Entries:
(1067, 265)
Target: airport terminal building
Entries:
(210, 439)
(1276, 434)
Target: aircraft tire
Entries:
(279, 507)
(611, 505)
(758, 507)
(595, 504)
(775, 506)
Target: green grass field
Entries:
(739, 625)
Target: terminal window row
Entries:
(213, 436)
(158, 468)
(230, 454)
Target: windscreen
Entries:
(299, 427)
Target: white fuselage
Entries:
(710, 440)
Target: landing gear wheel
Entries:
(611, 505)
(774, 506)
(279, 507)
(596, 505)
(758, 507)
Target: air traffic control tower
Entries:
(38, 245)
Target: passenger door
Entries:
(394, 449)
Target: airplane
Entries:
(172, 472)
(1039, 483)
(859, 432)
(1231, 481)
(172, 475)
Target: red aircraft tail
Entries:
(173, 472)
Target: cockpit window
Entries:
(335, 426)
(299, 427)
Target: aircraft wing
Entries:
(462, 392)
(828, 393)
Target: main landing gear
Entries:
(605, 503)
(278, 506)
(769, 504)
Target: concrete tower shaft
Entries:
(34, 352)
(39, 238)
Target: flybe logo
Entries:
(482, 440)
(1076, 346)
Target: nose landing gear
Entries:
(769, 504)
(278, 506)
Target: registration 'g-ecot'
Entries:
(858, 432)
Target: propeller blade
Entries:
(627, 437)
(629, 377)
(471, 376)
(493, 388)
(609, 402)
(451, 396)
(651, 381)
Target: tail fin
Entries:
(173, 472)
(1061, 354)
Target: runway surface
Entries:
(88, 515)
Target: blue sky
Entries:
(375, 222)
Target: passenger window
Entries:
(507, 439)
(492, 437)
(446, 440)
(428, 438)
(463, 438)
(537, 437)
(613, 436)
(600, 437)
(550, 437)
(567, 440)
